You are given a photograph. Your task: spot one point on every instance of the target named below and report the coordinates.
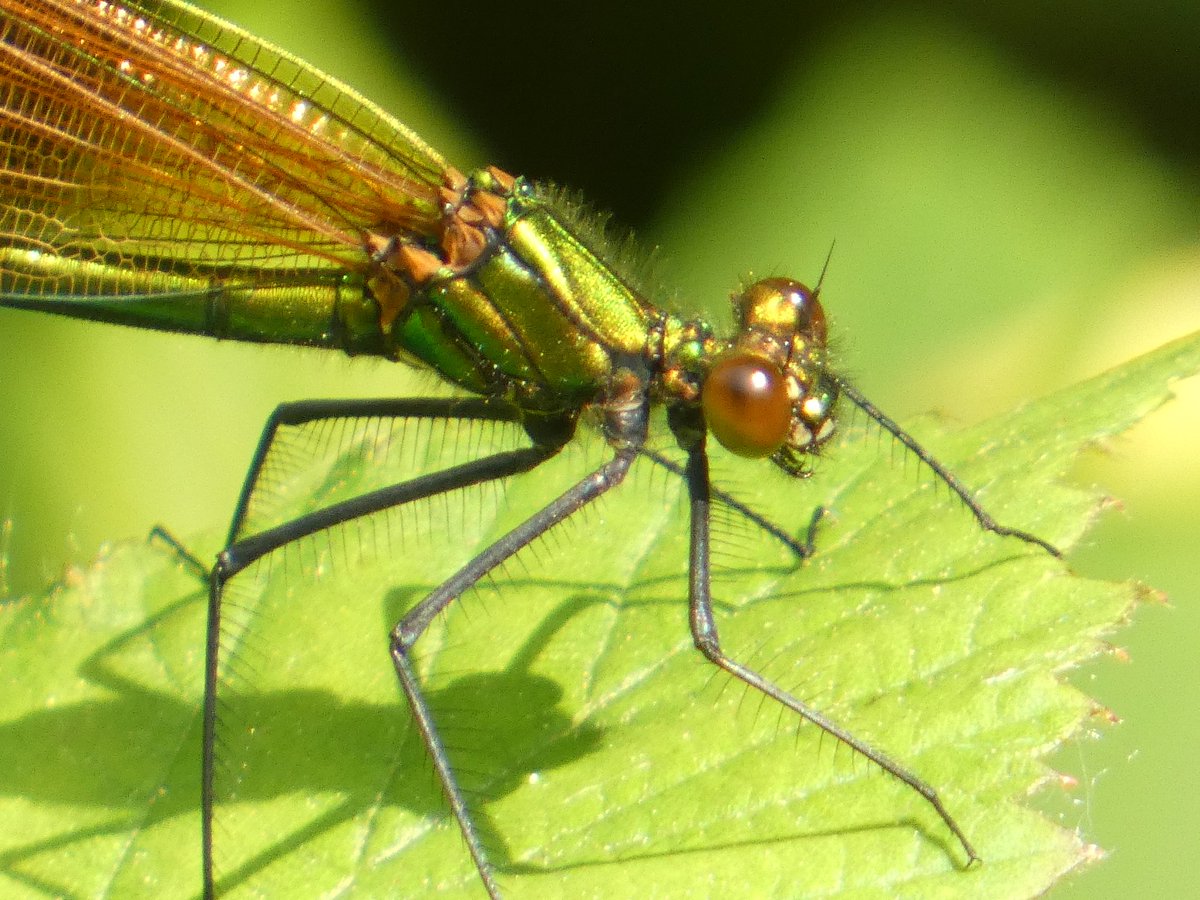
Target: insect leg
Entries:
(242, 551)
(802, 549)
(413, 625)
(704, 634)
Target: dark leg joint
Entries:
(809, 547)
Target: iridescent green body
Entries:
(537, 317)
(163, 169)
(166, 170)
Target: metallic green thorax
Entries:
(537, 317)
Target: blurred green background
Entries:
(1014, 194)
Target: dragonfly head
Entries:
(769, 394)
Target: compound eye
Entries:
(746, 405)
(783, 307)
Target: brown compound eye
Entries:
(746, 405)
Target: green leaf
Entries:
(602, 756)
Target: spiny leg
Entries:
(802, 549)
(414, 624)
(307, 411)
(982, 516)
(241, 553)
(707, 641)
(180, 551)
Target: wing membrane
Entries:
(154, 139)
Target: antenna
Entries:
(824, 268)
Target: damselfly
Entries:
(164, 169)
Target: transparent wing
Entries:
(159, 142)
